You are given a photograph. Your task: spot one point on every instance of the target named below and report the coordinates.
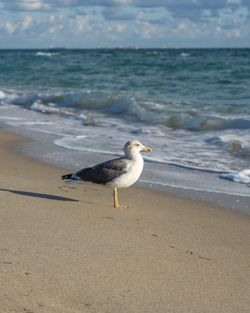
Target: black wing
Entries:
(104, 172)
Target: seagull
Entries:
(117, 173)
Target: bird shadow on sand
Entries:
(39, 195)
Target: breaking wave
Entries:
(46, 54)
(58, 102)
(242, 177)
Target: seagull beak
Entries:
(147, 148)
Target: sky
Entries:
(133, 23)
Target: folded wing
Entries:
(103, 172)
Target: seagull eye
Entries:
(137, 145)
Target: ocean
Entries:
(191, 105)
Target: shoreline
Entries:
(34, 149)
(182, 193)
(189, 183)
(73, 252)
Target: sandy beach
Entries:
(73, 252)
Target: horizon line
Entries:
(122, 48)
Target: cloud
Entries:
(125, 21)
(192, 9)
(26, 23)
(9, 28)
(27, 5)
(80, 24)
(17, 26)
(34, 5)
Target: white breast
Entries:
(133, 173)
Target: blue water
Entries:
(192, 106)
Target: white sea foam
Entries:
(46, 54)
(50, 108)
(184, 54)
(2, 95)
(238, 177)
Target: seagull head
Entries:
(133, 147)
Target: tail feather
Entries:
(67, 176)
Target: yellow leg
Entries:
(116, 203)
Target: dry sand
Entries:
(73, 252)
